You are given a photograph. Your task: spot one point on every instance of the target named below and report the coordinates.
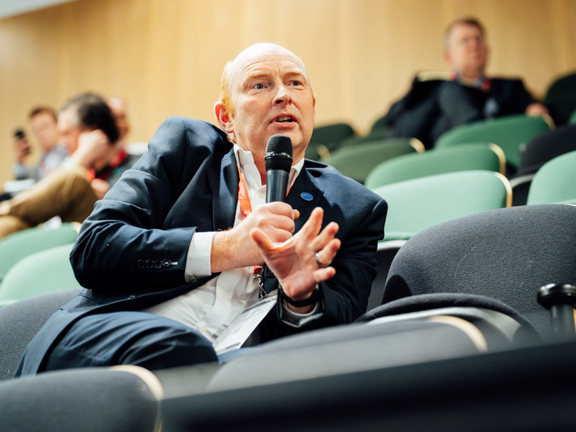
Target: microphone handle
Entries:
(276, 185)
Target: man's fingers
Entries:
(328, 253)
(261, 239)
(312, 226)
(325, 236)
(324, 274)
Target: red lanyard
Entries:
(243, 197)
(105, 173)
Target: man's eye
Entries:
(259, 86)
(296, 83)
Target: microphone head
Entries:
(278, 153)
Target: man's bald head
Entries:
(266, 92)
(233, 68)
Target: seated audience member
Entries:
(89, 132)
(43, 122)
(432, 107)
(170, 255)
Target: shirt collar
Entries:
(245, 159)
(480, 83)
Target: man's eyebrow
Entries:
(259, 74)
(255, 75)
(296, 72)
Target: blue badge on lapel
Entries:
(306, 196)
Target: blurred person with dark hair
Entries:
(464, 95)
(43, 122)
(88, 130)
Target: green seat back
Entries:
(357, 161)
(415, 205)
(560, 97)
(40, 273)
(23, 243)
(555, 181)
(508, 132)
(374, 135)
(331, 134)
(572, 119)
(326, 138)
(479, 156)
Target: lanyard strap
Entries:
(246, 209)
(243, 197)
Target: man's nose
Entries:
(282, 95)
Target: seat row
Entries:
(461, 332)
(560, 98)
(418, 198)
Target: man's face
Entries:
(69, 132)
(271, 95)
(467, 51)
(45, 130)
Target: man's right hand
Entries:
(93, 147)
(22, 149)
(235, 248)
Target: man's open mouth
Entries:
(284, 119)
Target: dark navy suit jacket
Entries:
(433, 107)
(131, 252)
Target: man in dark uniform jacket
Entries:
(168, 256)
(465, 95)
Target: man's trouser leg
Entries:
(129, 338)
(65, 193)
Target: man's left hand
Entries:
(294, 262)
(537, 109)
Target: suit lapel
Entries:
(299, 196)
(224, 185)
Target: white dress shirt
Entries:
(211, 307)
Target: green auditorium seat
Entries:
(572, 119)
(555, 181)
(508, 132)
(23, 243)
(479, 156)
(326, 138)
(415, 205)
(40, 273)
(358, 160)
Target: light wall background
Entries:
(165, 57)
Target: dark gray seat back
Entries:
(125, 399)
(505, 254)
(19, 323)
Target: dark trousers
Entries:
(130, 338)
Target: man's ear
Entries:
(223, 117)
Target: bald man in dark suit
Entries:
(169, 255)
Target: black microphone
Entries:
(278, 161)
